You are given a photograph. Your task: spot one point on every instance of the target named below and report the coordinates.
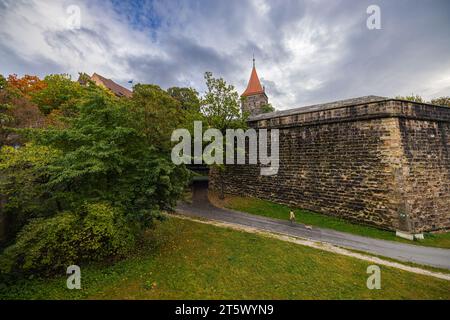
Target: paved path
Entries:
(201, 207)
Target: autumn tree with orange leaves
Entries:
(27, 85)
(16, 109)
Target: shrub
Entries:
(104, 233)
(46, 245)
(22, 174)
(42, 243)
(84, 189)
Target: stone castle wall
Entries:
(383, 163)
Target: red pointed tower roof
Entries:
(254, 86)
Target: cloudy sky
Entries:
(306, 51)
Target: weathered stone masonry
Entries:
(376, 161)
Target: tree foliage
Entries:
(157, 114)
(441, 101)
(107, 155)
(24, 172)
(60, 92)
(221, 110)
(95, 232)
(27, 85)
(221, 105)
(188, 98)
(86, 187)
(412, 97)
(3, 82)
(267, 108)
(16, 110)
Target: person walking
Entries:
(292, 216)
(292, 219)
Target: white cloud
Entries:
(38, 29)
(306, 51)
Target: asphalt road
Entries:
(201, 207)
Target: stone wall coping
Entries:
(363, 108)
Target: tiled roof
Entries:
(254, 86)
(117, 89)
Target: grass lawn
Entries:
(181, 259)
(279, 211)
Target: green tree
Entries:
(4, 107)
(84, 79)
(221, 109)
(3, 82)
(24, 171)
(190, 107)
(267, 108)
(60, 92)
(441, 101)
(412, 97)
(104, 155)
(158, 113)
(221, 105)
(188, 98)
(107, 155)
